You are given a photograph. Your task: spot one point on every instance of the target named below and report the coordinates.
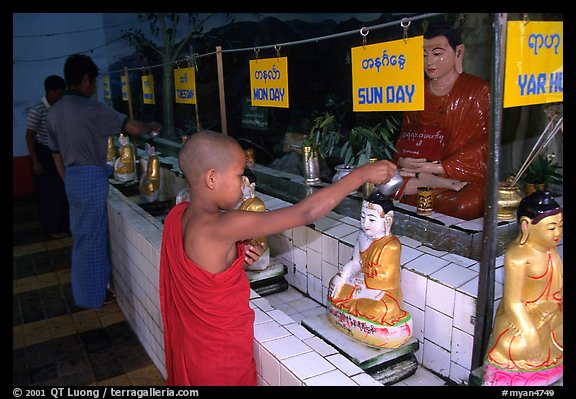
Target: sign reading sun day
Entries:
(388, 76)
(269, 82)
(185, 85)
(534, 63)
(148, 89)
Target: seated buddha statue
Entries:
(365, 298)
(125, 164)
(150, 182)
(252, 203)
(111, 151)
(444, 146)
(527, 340)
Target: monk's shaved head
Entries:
(206, 150)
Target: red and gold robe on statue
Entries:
(208, 322)
(452, 129)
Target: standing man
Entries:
(49, 187)
(78, 130)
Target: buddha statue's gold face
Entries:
(547, 232)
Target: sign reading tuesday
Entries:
(185, 85)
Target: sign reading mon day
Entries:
(388, 76)
(534, 70)
(269, 82)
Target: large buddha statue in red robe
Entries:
(445, 145)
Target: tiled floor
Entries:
(55, 342)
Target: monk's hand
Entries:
(253, 252)
(411, 163)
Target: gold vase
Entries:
(508, 200)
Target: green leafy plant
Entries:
(543, 170)
(365, 143)
(322, 137)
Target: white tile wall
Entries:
(439, 291)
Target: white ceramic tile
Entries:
(408, 254)
(267, 331)
(459, 259)
(341, 230)
(286, 308)
(464, 312)
(329, 250)
(499, 274)
(308, 365)
(438, 328)
(315, 288)
(313, 240)
(300, 281)
(257, 357)
(453, 275)
(413, 288)
(263, 304)
(314, 262)
(344, 364)
(409, 242)
(287, 378)
(325, 223)
(299, 259)
(299, 331)
(365, 380)
(314, 311)
(304, 304)
(350, 239)
(462, 347)
(344, 254)
(280, 317)
(423, 377)
(351, 221)
(288, 295)
(260, 316)
(417, 320)
(285, 347)
(475, 225)
(299, 236)
(331, 378)
(328, 271)
(432, 251)
(270, 368)
(440, 297)
(320, 346)
(436, 359)
(426, 264)
(459, 374)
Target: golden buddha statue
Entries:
(111, 151)
(254, 204)
(125, 164)
(150, 182)
(365, 298)
(526, 344)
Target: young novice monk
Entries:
(204, 291)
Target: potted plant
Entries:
(541, 173)
(319, 143)
(373, 142)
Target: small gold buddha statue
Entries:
(526, 346)
(125, 164)
(254, 204)
(111, 151)
(150, 182)
(365, 298)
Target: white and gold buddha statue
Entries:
(365, 298)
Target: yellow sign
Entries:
(388, 76)
(148, 89)
(107, 90)
(124, 80)
(534, 63)
(269, 82)
(185, 85)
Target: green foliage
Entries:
(543, 170)
(365, 143)
(322, 136)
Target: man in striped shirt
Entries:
(48, 185)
